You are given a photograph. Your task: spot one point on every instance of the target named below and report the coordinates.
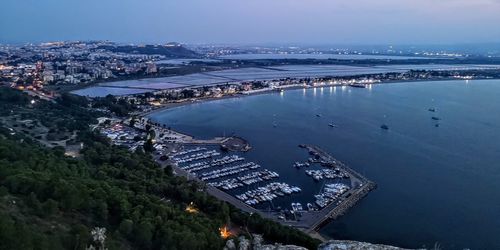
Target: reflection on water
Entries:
(435, 184)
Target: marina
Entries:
(267, 193)
(227, 171)
(257, 177)
(214, 163)
(330, 193)
(232, 174)
(222, 164)
(189, 151)
(193, 161)
(198, 156)
(300, 165)
(318, 175)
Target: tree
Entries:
(126, 227)
(143, 234)
(148, 146)
(50, 207)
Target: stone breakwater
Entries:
(351, 201)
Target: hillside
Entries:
(169, 50)
(52, 201)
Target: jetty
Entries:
(311, 221)
(360, 187)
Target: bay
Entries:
(435, 184)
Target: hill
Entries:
(49, 200)
(170, 50)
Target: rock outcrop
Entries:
(354, 245)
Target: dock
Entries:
(361, 186)
(310, 221)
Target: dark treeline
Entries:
(118, 106)
(51, 201)
(168, 51)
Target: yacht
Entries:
(299, 206)
(358, 85)
(310, 207)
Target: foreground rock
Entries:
(256, 244)
(354, 245)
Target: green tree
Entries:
(126, 227)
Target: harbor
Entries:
(254, 189)
(357, 141)
(223, 165)
(398, 159)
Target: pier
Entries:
(361, 186)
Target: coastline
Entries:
(172, 105)
(204, 100)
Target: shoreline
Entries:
(276, 62)
(173, 105)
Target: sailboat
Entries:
(332, 125)
(384, 126)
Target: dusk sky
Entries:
(252, 21)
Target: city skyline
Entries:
(253, 22)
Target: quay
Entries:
(232, 143)
(226, 143)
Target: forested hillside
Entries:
(51, 201)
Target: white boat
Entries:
(310, 207)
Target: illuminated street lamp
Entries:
(224, 233)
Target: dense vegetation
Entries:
(120, 107)
(51, 201)
(58, 120)
(168, 51)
